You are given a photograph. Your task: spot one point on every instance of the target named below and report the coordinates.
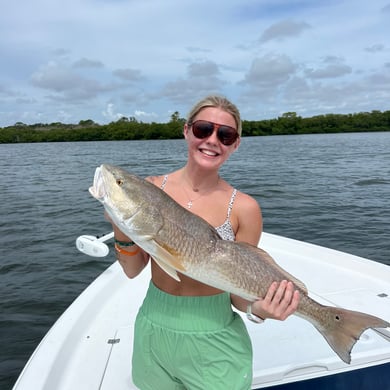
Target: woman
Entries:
(186, 334)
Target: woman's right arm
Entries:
(131, 257)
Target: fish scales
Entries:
(182, 236)
(180, 241)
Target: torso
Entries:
(217, 209)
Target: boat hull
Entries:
(369, 378)
(90, 346)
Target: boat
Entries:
(90, 345)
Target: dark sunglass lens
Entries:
(227, 135)
(202, 129)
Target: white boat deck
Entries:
(90, 346)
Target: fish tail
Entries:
(343, 328)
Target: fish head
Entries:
(118, 191)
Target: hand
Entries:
(280, 301)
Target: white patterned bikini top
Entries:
(225, 230)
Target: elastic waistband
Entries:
(187, 313)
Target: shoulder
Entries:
(246, 203)
(243, 203)
(152, 179)
(250, 222)
(156, 180)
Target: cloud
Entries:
(129, 74)
(67, 84)
(386, 8)
(203, 69)
(86, 63)
(111, 114)
(202, 79)
(380, 80)
(195, 49)
(333, 67)
(60, 52)
(269, 71)
(283, 29)
(375, 48)
(56, 77)
(7, 92)
(142, 114)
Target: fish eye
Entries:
(119, 182)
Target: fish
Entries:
(182, 243)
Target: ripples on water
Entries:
(332, 190)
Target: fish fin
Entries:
(169, 270)
(342, 328)
(169, 257)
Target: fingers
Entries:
(280, 301)
(293, 306)
(286, 300)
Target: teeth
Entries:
(209, 152)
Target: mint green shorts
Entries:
(190, 343)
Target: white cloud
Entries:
(145, 115)
(270, 71)
(110, 113)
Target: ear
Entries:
(185, 130)
(237, 144)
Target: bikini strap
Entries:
(164, 182)
(234, 193)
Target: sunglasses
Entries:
(203, 129)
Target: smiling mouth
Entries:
(209, 152)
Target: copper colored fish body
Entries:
(181, 242)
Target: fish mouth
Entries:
(97, 190)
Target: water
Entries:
(333, 190)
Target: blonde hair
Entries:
(217, 102)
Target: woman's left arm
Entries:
(279, 303)
(281, 300)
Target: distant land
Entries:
(132, 129)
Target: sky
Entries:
(73, 60)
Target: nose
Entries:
(213, 137)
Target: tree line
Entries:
(132, 129)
